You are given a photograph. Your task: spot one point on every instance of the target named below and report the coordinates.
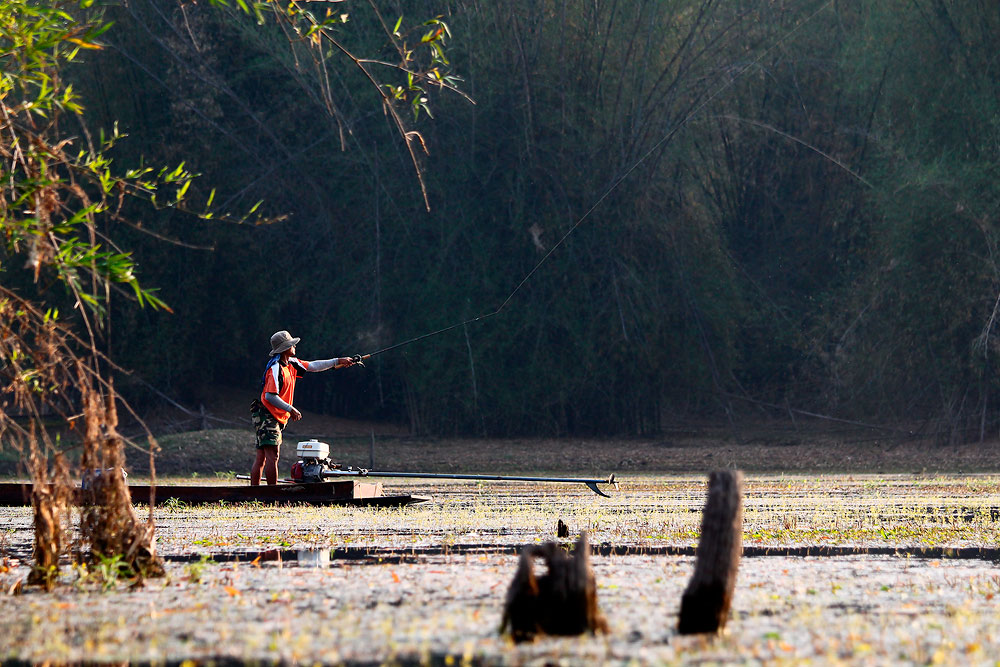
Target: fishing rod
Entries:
(360, 359)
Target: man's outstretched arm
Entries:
(327, 364)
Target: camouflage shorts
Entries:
(267, 428)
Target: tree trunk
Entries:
(706, 600)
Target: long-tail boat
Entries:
(346, 492)
(309, 484)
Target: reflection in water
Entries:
(314, 557)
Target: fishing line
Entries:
(792, 137)
(721, 89)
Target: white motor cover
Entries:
(313, 449)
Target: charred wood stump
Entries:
(562, 601)
(706, 600)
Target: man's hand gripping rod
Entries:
(356, 360)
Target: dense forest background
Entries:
(802, 211)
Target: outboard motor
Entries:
(314, 460)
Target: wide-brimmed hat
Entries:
(281, 341)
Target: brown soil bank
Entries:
(219, 451)
(227, 446)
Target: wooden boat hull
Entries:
(348, 492)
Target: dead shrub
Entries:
(49, 374)
(50, 500)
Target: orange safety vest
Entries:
(280, 379)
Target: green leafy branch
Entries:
(422, 63)
(52, 197)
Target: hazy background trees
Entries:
(801, 209)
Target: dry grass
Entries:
(649, 511)
(858, 610)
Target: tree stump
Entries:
(706, 600)
(562, 601)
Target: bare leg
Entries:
(271, 465)
(258, 464)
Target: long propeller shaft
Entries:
(591, 483)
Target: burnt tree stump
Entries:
(562, 601)
(706, 600)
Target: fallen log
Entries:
(709, 593)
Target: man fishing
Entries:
(272, 410)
